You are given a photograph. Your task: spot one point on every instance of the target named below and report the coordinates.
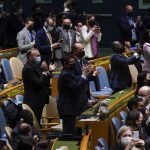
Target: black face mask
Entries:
(81, 54)
(130, 14)
(66, 26)
(72, 66)
(122, 50)
(92, 22)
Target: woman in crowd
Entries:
(126, 141)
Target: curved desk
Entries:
(103, 128)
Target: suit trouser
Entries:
(38, 112)
(69, 124)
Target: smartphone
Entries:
(136, 134)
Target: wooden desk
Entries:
(103, 128)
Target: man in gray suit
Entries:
(68, 37)
(26, 39)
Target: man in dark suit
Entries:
(120, 74)
(44, 40)
(36, 79)
(72, 98)
(130, 27)
(14, 24)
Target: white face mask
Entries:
(125, 140)
(38, 59)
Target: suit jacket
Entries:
(78, 66)
(63, 35)
(36, 85)
(120, 74)
(24, 43)
(146, 51)
(125, 29)
(72, 98)
(43, 44)
(13, 26)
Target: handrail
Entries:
(11, 92)
(10, 89)
(99, 59)
(8, 53)
(9, 50)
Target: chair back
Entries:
(116, 124)
(102, 77)
(7, 69)
(123, 116)
(16, 67)
(50, 109)
(134, 73)
(35, 122)
(2, 123)
(102, 144)
(92, 86)
(19, 97)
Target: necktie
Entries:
(31, 36)
(68, 48)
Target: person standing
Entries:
(129, 26)
(44, 41)
(26, 39)
(14, 24)
(72, 98)
(91, 35)
(36, 78)
(120, 74)
(68, 36)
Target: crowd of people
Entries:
(68, 41)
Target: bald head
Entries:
(78, 50)
(144, 90)
(129, 10)
(117, 47)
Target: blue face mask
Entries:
(38, 59)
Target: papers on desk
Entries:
(90, 119)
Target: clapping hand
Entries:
(52, 67)
(86, 70)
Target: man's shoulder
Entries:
(28, 66)
(115, 56)
(41, 31)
